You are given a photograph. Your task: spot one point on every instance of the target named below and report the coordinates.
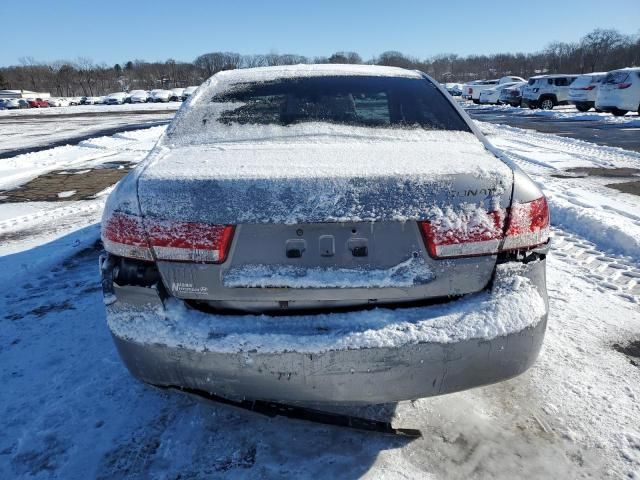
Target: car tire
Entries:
(619, 113)
(532, 106)
(581, 107)
(546, 103)
(477, 102)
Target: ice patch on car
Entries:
(512, 304)
(411, 272)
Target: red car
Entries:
(38, 103)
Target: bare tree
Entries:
(598, 50)
(597, 45)
(345, 57)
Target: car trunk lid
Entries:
(326, 224)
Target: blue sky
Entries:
(119, 30)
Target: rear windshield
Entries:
(357, 101)
(616, 77)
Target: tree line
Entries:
(599, 50)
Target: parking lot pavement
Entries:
(602, 129)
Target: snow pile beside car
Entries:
(512, 305)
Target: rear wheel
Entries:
(582, 107)
(546, 103)
(619, 113)
(477, 102)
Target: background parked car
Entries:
(619, 92)
(75, 100)
(2, 103)
(176, 94)
(583, 90)
(188, 92)
(512, 95)
(547, 91)
(58, 102)
(492, 95)
(139, 96)
(16, 103)
(454, 89)
(117, 98)
(161, 95)
(38, 103)
(475, 89)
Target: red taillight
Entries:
(527, 225)
(124, 235)
(466, 235)
(470, 91)
(590, 87)
(130, 236)
(621, 86)
(189, 242)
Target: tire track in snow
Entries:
(609, 273)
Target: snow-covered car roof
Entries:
(626, 69)
(226, 79)
(555, 75)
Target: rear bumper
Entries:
(589, 103)
(612, 101)
(340, 374)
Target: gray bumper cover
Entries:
(362, 376)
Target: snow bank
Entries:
(585, 206)
(563, 113)
(512, 305)
(611, 230)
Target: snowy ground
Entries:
(69, 409)
(36, 127)
(79, 109)
(562, 112)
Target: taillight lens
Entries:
(130, 236)
(124, 235)
(589, 87)
(623, 85)
(527, 225)
(190, 242)
(467, 235)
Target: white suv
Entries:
(547, 91)
(582, 92)
(473, 89)
(619, 92)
